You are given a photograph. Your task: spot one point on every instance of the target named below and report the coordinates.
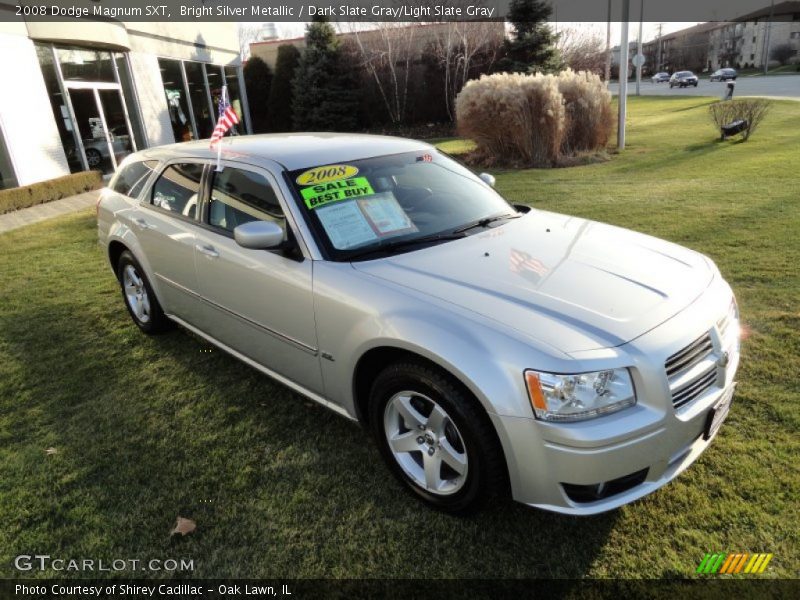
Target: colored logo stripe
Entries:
(737, 562)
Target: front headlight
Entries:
(580, 396)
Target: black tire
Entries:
(93, 158)
(154, 321)
(486, 473)
(695, 85)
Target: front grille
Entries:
(690, 355)
(694, 388)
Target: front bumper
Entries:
(598, 465)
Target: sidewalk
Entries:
(42, 212)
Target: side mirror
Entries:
(258, 235)
(487, 179)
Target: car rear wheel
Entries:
(435, 438)
(139, 298)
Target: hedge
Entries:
(47, 191)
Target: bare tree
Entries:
(386, 52)
(458, 48)
(248, 33)
(581, 50)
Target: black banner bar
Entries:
(375, 10)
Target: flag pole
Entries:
(219, 141)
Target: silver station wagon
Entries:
(490, 348)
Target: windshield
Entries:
(388, 203)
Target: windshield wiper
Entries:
(485, 222)
(388, 247)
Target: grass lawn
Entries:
(146, 429)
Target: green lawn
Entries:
(147, 429)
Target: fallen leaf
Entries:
(50, 451)
(183, 526)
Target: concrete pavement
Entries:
(49, 210)
(770, 86)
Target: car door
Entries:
(259, 302)
(165, 222)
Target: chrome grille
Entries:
(690, 355)
(694, 389)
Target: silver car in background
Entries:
(489, 348)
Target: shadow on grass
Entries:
(152, 428)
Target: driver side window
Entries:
(239, 196)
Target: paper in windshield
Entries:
(345, 225)
(385, 215)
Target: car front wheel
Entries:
(436, 438)
(139, 298)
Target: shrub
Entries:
(47, 191)
(257, 81)
(535, 120)
(279, 101)
(324, 86)
(589, 118)
(752, 110)
(513, 118)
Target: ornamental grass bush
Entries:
(589, 118)
(534, 120)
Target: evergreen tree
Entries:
(532, 47)
(257, 81)
(324, 87)
(279, 101)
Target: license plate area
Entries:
(718, 413)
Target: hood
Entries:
(571, 283)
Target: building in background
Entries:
(83, 95)
(742, 43)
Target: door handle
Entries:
(209, 251)
(142, 224)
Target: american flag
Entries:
(227, 118)
(524, 264)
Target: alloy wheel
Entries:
(426, 443)
(136, 293)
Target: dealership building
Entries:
(83, 95)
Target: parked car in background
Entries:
(660, 77)
(486, 346)
(683, 79)
(724, 75)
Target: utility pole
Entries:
(623, 74)
(608, 45)
(769, 31)
(660, 65)
(639, 61)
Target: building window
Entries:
(126, 81)
(235, 94)
(752, 57)
(58, 103)
(795, 35)
(193, 92)
(78, 64)
(172, 77)
(200, 98)
(7, 177)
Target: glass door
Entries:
(118, 128)
(102, 124)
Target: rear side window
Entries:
(177, 189)
(131, 178)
